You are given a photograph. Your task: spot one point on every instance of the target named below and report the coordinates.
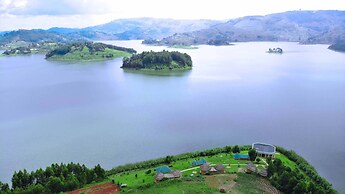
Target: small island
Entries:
(88, 51)
(340, 47)
(275, 50)
(163, 60)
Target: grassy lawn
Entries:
(174, 187)
(286, 161)
(139, 181)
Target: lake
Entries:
(52, 112)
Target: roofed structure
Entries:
(174, 174)
(219, 167)
(251, 167)
(262, 172)
(163, 169)
(199, 162)
(206, 168)
(264, 149)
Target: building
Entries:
(262, 172)
(174, 174)
(207, 169)
(163, 169)
(199, 162)
(250, 167)
(264, 150)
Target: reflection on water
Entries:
(97, 112)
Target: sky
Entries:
(33, 14)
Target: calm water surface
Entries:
(98, 113)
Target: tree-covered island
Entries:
(163, 60)
(88, 51)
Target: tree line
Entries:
(158, 60)
(54, 179)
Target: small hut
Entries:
(220, 168)
(262, 172)
(199, 162)
(251, 167)
(159, 176)
(205, 168)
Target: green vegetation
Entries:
(163, 60)
(54, 179)
(88, 51)
(288, 172)
(22, 48)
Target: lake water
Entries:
(98, 113)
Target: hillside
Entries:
(337, 47)
(209, 171)
(158, 61)
(308, 27)
(35, 36)
(88, 51)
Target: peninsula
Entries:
(163, 60)
(256, 168)
(88, 51)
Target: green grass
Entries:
(286, 161)
(248, 183)
(85, 55)
(183, 47)
(175, 186)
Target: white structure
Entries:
(264, 149)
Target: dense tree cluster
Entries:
(308, 170)
(158, 60)
(293, 181)
(54, 179)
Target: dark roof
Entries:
(263, 172)
(264, 148)
(159, 176)
(176, 173)
(219, 167)
(163, 169)
(251, 166)
(205, 167)
(199, 162)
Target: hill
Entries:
(287, 172)
(35, 36)
(337, 47)
(307, 27)
(88, 51)
(158, 61)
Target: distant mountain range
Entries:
(122, 29)
(307, 27)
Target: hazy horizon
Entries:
(36, 14)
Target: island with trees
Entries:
(88, 51)
(219, 172)
(163, 60)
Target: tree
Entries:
(4, 187)
(252, 154)
(236, 149)
(168, 159)
(55, 184)
(227, 149)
